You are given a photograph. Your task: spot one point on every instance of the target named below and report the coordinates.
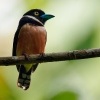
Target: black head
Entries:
(39, 14)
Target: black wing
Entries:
(21, 23)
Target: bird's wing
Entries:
(15, 45)
(16, 39)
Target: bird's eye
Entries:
(36, 13)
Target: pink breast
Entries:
(31, 40)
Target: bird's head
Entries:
(39, 15)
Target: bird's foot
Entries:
(26, 56)
(42, 55)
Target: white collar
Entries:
(32, 17)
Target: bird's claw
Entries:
(26, 56)
(42, 55)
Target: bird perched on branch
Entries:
(30, 38)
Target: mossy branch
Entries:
(50, 57)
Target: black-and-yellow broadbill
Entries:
(30, 38)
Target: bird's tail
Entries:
(24, 78)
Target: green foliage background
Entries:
(76, 26)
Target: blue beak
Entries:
(47, 16)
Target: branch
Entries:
(50, 57)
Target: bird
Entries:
(30, 38)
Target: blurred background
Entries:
(76, 26)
